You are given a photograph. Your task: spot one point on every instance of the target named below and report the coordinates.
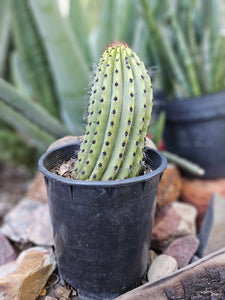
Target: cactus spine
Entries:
(119, 113)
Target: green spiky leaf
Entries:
(67, 61)
(30, 110)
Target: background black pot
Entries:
(195, 129)
(101, 229)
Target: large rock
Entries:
(161, 266)
(172, 221)
(212, 233)
(37, 190)
(29, 221)
(169, 186)
(198, 192)
(24, 278)
(4, 208)
(7, 252)
(13, 185)
(183, 249)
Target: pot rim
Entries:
(205, 107)
(113, 183)
(206, 97)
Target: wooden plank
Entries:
(204, 279)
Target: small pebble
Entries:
(183, 249)
(63, 292)
(161, 266)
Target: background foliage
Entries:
(46, 59)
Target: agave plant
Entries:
(190, 47)
(4, 34)
(52, 58)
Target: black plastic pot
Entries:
(195, 129)
(101, 229)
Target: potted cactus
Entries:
(190, 53)
(102, 217)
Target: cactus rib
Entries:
(112, 123)
(93, 108)
(134, 156)
(126, 119)
(102, 112)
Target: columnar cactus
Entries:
(119, 113)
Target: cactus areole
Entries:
(118, 116)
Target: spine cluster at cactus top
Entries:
(119, 113)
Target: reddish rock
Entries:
(13, 185)
(7, 252)
(183, 249)
(169, 186)
(198, 192)
(37, 189)
(172, 221)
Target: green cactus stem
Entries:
(184, 164)
(119, 113)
